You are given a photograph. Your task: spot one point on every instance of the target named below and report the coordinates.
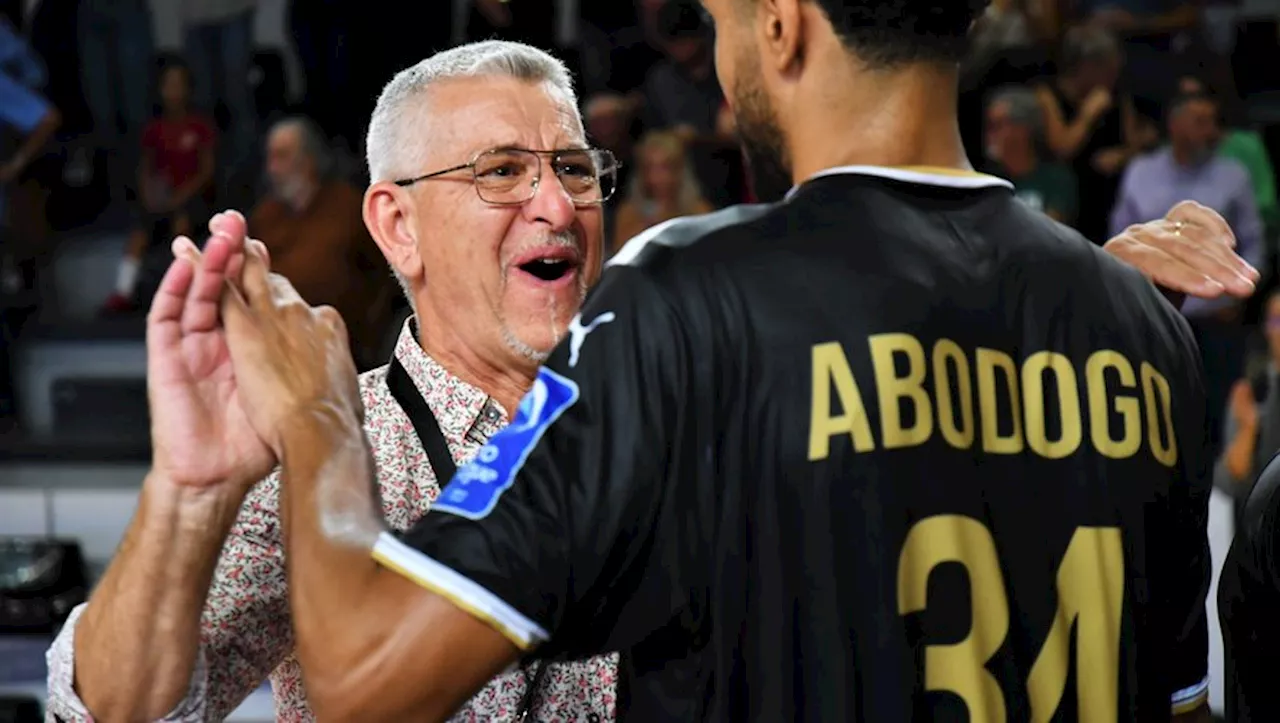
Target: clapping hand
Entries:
(200, 432)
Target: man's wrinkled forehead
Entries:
(473, 115)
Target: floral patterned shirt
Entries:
(246, 631)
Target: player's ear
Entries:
(782, 32)
(386, 217)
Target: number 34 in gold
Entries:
(1090, 586)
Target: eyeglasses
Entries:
(510, 176)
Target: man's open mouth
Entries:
(548, 269)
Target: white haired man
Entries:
(183, 627)
(194, 612)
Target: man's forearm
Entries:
(136, 644)
(36, 140)
(331, 524)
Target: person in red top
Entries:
(174, 178)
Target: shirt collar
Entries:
(926, 175)
(457, 405)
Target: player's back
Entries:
(948, 443)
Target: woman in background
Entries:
(663, 189)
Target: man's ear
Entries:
(783, 32)
(388, 222)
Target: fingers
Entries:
(255, 281)
(170, 298)
(1195, 214)
(1165, 269)
(1219, 260)
(1208, 226)
(200, 312)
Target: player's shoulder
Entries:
(1129, 300)
(660, 245)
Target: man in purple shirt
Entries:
(1188, 167)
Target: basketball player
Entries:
(896, 448)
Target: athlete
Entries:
(1248, 599)
(896, 448)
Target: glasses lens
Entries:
(506, 176)
(588, 176)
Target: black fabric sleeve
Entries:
(1248, 598)
(550, 533)
(1180, 550)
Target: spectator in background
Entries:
(665, 188)
(682, 95)
(1092, 125)
(117, 57)
(313, 225)
(1189, 168)
(1156, 39)
(1252, 433)
(25, 111)
(1246, 147)
(174, 178)
(609, 118)
(1014, 124)
(219, 45)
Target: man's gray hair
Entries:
(393, 147)
(1024, 109)
(314, 143)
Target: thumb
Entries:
(243, 336)
(254, 280)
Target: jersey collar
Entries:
(925, 175)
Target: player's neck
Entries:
(901, 118)
(506, 382)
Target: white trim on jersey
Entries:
(459, 590)
(631, 249)
(928, 177)
(1189, 699)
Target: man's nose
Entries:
(551, 203)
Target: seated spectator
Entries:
(1091, 124)
(30, 115)
(1189, 168)
(174, 179)
(313, 224)
(1014, 126)
(1246, 146)
(1155, 34)
(665, 188)
(682, 95)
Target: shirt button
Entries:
(492, 414)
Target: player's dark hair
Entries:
(889, 33)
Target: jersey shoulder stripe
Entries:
(685, 231)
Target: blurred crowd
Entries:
(1102, 113)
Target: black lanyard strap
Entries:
(424, 422)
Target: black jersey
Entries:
(1249, 605)
(896, 448)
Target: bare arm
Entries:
(1064, 139)
(1199, 715)
(372, 644)
(35, 140)
(136, 642)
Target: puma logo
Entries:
(578, 333)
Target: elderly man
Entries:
(194, 611)
(312, 221)
(496, 269)
(1014, 125)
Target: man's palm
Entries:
(201, 434)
